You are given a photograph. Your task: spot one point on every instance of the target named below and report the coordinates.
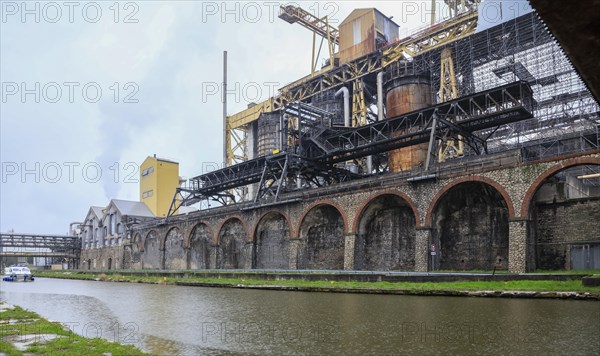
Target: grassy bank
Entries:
(26, 333)
(521, 285)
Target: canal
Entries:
(166, 319)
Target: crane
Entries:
(319, 26)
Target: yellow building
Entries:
(158, 180)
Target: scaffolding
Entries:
(512, 90)
(566, 115)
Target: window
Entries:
(356, 32)
(147, 194)
(113, 224)
(147, 171)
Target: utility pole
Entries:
(225, 130)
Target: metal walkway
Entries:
(39, 245)
(319, 149)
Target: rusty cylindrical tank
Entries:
(403, 95)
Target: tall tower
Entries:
(159, 178)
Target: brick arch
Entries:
(235, 217)
(163, 241)
(187, 240)
(318, 204)
(143, 240)
(278, 212)
(488, 181)
(394, 192)
(581, 161)
(137, 237)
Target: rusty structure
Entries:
(448, 149)
(445, 89)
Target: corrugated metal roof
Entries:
(96, 211)
(132, 208)
(356, 13)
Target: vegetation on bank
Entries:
(584, 272)
(16, 323)
(574, 285)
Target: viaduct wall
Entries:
(478, 217)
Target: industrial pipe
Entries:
(589, 176)
(380, 96)
(346, 104)
(71, 226)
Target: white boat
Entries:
(17, 273)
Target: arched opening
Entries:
(136, 253)
(109, 263)
(322, 239)
(131, 253)
(174, 253)
(385, 239)
(564, 213)
(272, 242)
(232, 251)
(200, 240)
(152, 257)
(470, 228)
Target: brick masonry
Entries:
(516, 183)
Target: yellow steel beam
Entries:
(321, 26)
(251, 114)
(359, 108)
(450, 147)
(433, 37)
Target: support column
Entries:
(517, 245)
(349, 241)
(248, 255)
(213, 257)
(294, 246)
(422, 240)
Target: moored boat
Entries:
(17, 273)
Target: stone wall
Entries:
(384, 222)
(470, 229)
(385, 238)
(272, 243)
(559, 225)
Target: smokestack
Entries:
(225, 148)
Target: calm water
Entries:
(189, 320)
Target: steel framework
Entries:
(513, 87)
(36, 245)
(317, 147)
(566, 116)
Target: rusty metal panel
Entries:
(351, 47)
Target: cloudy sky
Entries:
(89, 89)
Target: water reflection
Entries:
(186, 320)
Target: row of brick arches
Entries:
(468, 221)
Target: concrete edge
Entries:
(440, 293)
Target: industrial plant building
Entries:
(449, 149)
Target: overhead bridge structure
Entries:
(476, 117)
(58, 247)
